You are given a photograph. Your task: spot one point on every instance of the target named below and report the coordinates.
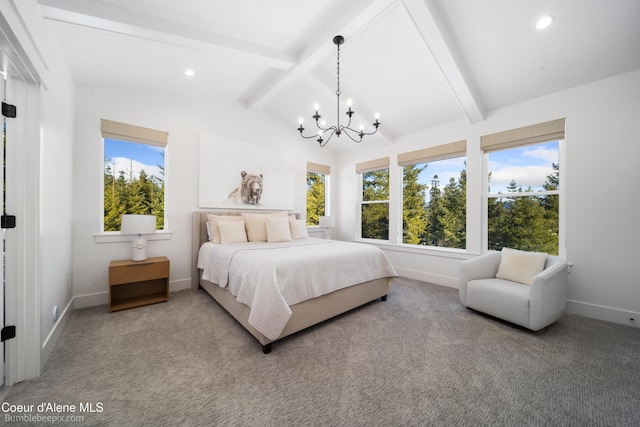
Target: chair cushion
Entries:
(520, 266)
(500, 298)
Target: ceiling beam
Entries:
(427, 24)
(348, 23)
(102, 16)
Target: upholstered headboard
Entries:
(200, 235)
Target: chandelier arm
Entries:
(347, 131)
(323, 142)
(362, 132)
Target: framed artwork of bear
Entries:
(238, 175)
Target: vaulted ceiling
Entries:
(419, 63)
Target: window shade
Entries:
(533, 134)
(318, 168)
(126, 132)
(372, 165)
(441, 152)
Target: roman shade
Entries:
(132, 133)
(318, 168)
(372, 165)
(431, 154)
(533, 134)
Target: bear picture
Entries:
(232, 174)
(248, 192)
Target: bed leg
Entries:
(266, 349)
(383, 298)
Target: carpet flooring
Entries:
(420, 358)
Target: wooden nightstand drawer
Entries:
(130, 271)
(134, 284)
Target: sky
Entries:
(528, 166)
(139, 156)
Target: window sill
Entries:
(422, 250)
(116, 237)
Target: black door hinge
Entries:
(8, 332)
(8, 110)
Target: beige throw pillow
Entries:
(298, 228)
(212, 225)
(232, 232)
(256, 225)
(278, 230)
(520, 266)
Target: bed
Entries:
(266, 311)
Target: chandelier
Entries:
(338, 129)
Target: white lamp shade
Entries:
(327, 221)
(138, 224)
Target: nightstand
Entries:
(137, 283)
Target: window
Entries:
(434, 194)
(523, 191)
(317, 192)
(134, 173)
(374, 199)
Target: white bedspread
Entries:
(269, 277)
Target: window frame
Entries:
(401, 204)
(362, 202)
(532, 139)
(327, 186)
(137, 135)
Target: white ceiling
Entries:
(419, 63)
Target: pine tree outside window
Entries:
(434, 194)
(374, 199)
(317, 192)
(524, 188)
(134, 173)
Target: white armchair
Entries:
(533, 306)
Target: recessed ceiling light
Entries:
(544, 22)
(189, 72)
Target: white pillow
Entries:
(212, 225)
(520, 266)
(278, 230)
(256, 225)
(232, 232)
(298, 228)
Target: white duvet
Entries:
(269, 277)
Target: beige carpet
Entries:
(419, 358)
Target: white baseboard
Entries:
(601, 312)
(90, 300)
(56, 332)
(450, 282)
(102, 298)
(180, 285)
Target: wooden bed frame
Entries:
(304, 314)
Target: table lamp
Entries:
(137, 226)
(328, 222)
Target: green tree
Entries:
(375, 216)
(414, 215)
(454, 206)
(128, 194)
(315, 197)
(435, 231)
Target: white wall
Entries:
(183, 119)
(600, 175)
(56, 207)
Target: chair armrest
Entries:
(481, 267)
(548, 295)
